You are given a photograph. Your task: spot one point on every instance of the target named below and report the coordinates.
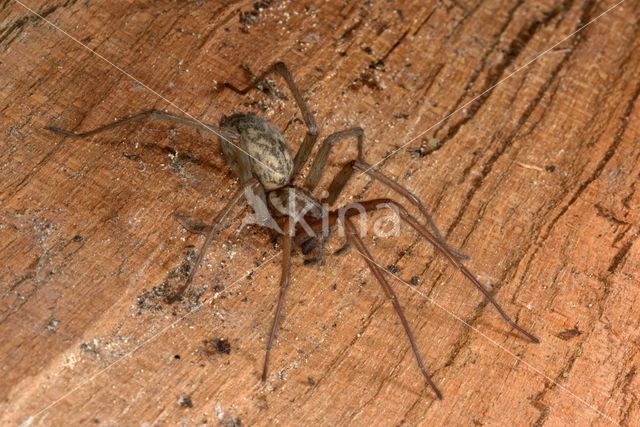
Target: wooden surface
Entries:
(536, 180)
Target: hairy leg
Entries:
(378, 273)
(284, 286)
(321, 158)
(342, 178)
(376, 204)
(250, 187)
(211, 232)
(149, 114)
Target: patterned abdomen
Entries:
(271, 161)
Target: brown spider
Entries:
(257, 153)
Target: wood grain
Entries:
(535, 178)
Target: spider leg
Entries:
(321, 158)
(364, 167)
(192, 224)
(150, 114)
(212, 232)
(344, 248)
(249, 185)
(378, 273)
(376, 204)
(312, 129)
(284, 286)
(342, 177)
(444, 249)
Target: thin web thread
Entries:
(393, 152)
(144, 343)
(500, 346)
(372, 166)
(215, 132)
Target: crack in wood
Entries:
(16, 27)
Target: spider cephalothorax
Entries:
(255, 150)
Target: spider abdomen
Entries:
(263, 141)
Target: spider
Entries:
(256, 152)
